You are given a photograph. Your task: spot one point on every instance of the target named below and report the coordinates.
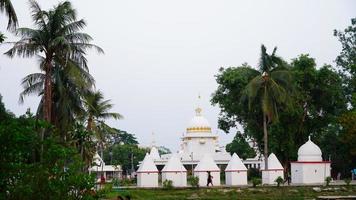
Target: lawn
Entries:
(235, 193)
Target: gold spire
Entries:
(198, 111)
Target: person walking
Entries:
(210, 179)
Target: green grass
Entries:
(234, 193)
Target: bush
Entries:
(168, 184)
(327, 180)
(256, 181)
(101, 193)
(253, 173)
(115, 182)
(193, 181)
(347, 181)
(279, 180)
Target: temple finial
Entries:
(153, 143)
(309, 137)
(198, 110)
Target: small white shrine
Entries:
(275, 169)
(147, 173)
(236, 172)
(175, 171)
(102, 170)
(206, 165)
(310, 167)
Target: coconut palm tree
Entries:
(270, 90)
(70, 85)
(7, 8)
(97, 110)
(56, 38)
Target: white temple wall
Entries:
(269, 176)
(296, 173)
(236, 178)
(179, 179)
(310, 173)
(200, 146)
(145, 179)
(203, 178)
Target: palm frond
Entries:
(6, 6)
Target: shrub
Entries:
(347, 181)
(327, 180)
(101, 193)
(194, 181)
(115, 182)
(256, 181)
(279, 180)
(168, 184)
(253, 173)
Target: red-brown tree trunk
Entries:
(265, 137)
(47, 104)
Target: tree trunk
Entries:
(47, 105)
(265, 134)
(90, 123)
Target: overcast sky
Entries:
(160, 54)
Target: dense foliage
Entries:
(58, 175)
(319, 108)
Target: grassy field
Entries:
(235, 193)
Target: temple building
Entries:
(275, 169)
(102, 170)
(236, 172)
(310, 167)
(197, 141)
(175, 171)
(147, 173)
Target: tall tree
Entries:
(240, 146)
(7, 8)
(56, 38)
(271, 88)
(97, 110)
(70, 85)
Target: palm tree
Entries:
(56, 38)
(97, 110)
(270, 90)
(70, 85)
(6, 6)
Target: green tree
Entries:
(240, 147)
(347, 59)
(97, 110)
(24, 176)
(317, 101)
(123, 137)
(163, 150)
(56, 38)
(126, 155)
(271, 89)
(70, 84)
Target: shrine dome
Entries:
(198, 123)
(309, 152)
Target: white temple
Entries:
(235, 172)
(199, 140)
(205, 166)
(275, 169)
(310, 167)
(147, 173)
(199, 154)
(175, 171)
